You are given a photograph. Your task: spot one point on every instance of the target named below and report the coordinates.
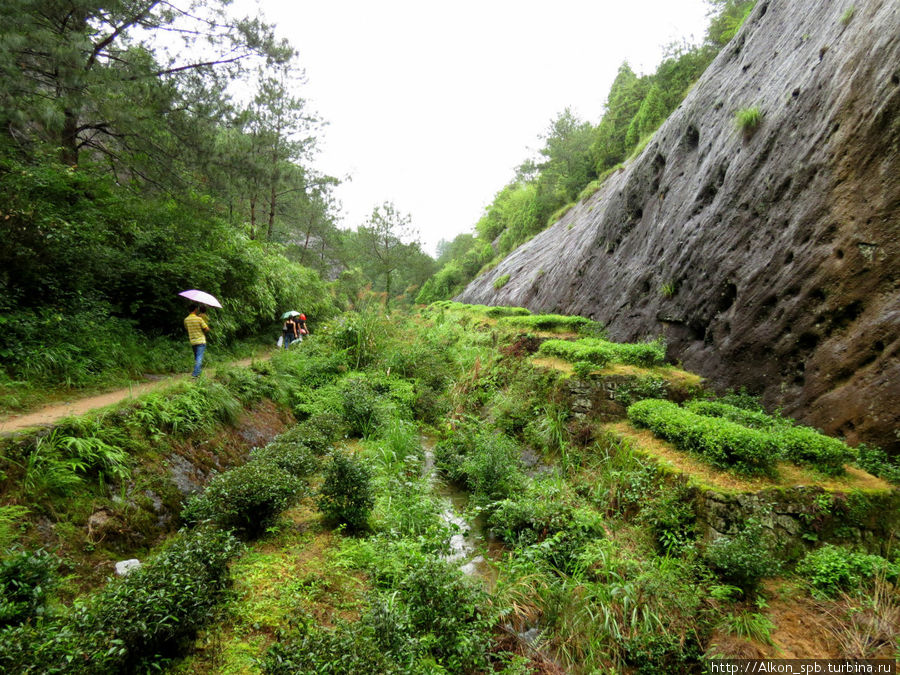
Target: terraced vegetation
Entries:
(322, 544)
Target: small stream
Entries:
(467, 543)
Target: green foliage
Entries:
(295, 458)
(744, 559)
(726, 22)
(186, 409)
(847, 16)
(550, 322)
(26, 579)
(749, 625)
(159, 607)
(430, 618)
(247, 498)
(722, 443)
(640, 388)
(492, 467)
(747, 120)
(501, 281)
(360, 334)
(876, 461)
(546, 529)
(602, 352)
(831, 569)
(10, 517)
(672, 520)
(346, 495)
(798, 444)
(583, 368)
(668, 289)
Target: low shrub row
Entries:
(602, 352)
(723, 443)
(798, 444)
(551, 322)
(494, 312)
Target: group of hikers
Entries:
(197, 327)
(293, 330)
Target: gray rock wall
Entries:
(783, 248)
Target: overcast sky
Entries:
(432, 105)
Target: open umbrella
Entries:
(201, 297)
(291, 313)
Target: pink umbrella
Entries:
(201, 297)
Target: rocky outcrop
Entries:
(769, 260)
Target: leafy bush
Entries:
(26, 578)
(743, 559)
(248, 386)
(602, 352)
(492, 469)
(361, 405)
(550, 322)
(722, 443)
(799, 444)
(831, 569)
(294, 458)
(807, 446)
(583, 368)
(640, 388)
(158, 608)
(554, 532)
(501, 281)
(449, 615)
(346, 495)
(876, 461)
(247, 498)
(672, 519)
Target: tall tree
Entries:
(85, 75)
(381, 242)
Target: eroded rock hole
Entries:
(817, 294)
(726, 297)
(789, 258)
(878, 346)
(807, 341)
(692, 137)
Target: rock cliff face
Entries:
(769, 260)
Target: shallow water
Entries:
(469, 545)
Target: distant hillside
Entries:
(765, 249)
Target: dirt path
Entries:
(57, 411)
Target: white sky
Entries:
(432, 105)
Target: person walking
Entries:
(197, 328)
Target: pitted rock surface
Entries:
(782, 247)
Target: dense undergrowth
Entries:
(327, 550)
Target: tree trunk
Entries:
(69, 139)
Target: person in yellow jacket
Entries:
(197, 328)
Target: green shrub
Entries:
(247, 498)
(671, 519)
(747, 120)
(807, 446)
(347, 495)
(876, 461)
(602, 352)
(449, 614)
(361, 406)
(294, 458)
(26, 579)
(722, 443)
(583, 369)
(501, 281)
(744, 559)
(492, 468)
(550, 322)
(157, 609)
(546, 530)
(640, 388)
(799, 444)
(831, 569)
